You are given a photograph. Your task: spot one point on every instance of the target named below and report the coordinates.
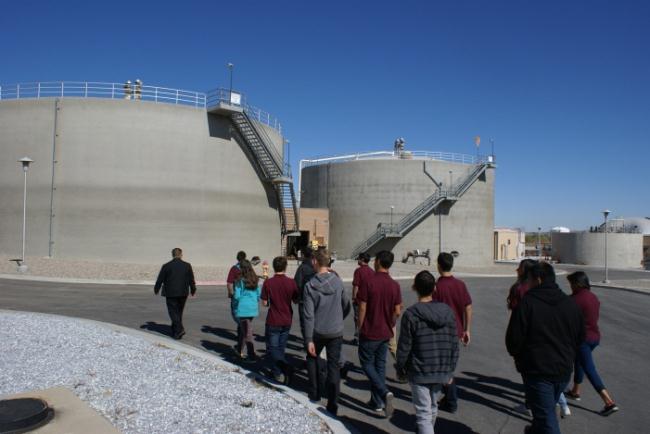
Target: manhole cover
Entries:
(23, 414)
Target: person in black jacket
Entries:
(177, 280)
(543, 336)
(427, 350)
(304, 273)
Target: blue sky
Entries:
(562, 87)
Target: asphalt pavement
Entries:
(489, 386)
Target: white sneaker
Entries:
(565, 412)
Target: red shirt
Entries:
(381, 294)
(362, 275)
(590, 308)
(280, 291)
(454, 294)
(233, 274)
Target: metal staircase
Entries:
(420, 212)
(270, 165)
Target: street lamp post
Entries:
(391, 217)
(25, 161)
(539, 242)
(230, 66)
(605, 214)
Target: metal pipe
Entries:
(50, 244)
(24, 211)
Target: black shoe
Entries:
(445, 406)
(345, 370)
(609, 409)
(332, 409)
(288, 374)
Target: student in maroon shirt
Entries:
(380, 303)
(522, 285)
(278, 293)
(233, 275)
(361, 277)
(453, 292)
(590, 308)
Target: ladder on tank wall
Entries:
(269, 164)
(420, 212)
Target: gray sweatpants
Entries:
(425, 401)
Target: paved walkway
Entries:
(489, 385)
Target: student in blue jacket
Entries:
(246, 298)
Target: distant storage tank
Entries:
(122, 180)
(403, 201)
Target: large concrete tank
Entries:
(362, 193)
(123, 180)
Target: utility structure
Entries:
(358, 188)
(269, 164)
(126, 182)
(606, 214)
(25, 161)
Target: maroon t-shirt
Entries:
(381, 294)
(590, 308)
(454, 294)
(362, 275)
(233, 274)
(280, 291)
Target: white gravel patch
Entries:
(139, 386)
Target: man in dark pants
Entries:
(380, 303)
(177, 280)
(325, 306)
(545, 330)
(304, 273)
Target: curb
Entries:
(333, 424)
(201, 282)
(622, 288)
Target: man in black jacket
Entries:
(304, 273)
(427, 351)
(176, 279)
(544, 333)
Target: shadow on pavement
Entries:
(471, 390)
(163, 329)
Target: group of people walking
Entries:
(548, 334)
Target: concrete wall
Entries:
(359, 195)
(131, 181)
(588, 248)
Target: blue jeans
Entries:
(276, 344)
(372, 356)
(541, 396)
(425, 401)
(585, 365)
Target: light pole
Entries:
(391, 217)
(451, 180)
(25, 161)
(539, 242)
(230, 66)
(605, 214)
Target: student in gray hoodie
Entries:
(427, 351)
(325, 306)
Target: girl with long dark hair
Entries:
(246, 297)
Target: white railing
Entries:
(220, 95)
(134, 92)
(87, 89)
(389, 155)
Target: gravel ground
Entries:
(140, 387)
(64, 268)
